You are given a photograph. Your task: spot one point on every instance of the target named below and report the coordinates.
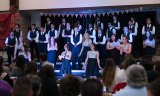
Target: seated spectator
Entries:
(112, 75)
(3, 75)
(128, 60)
(5, 88)
(48, 78)
(19, 67)
(31, 68)
(136, 82)
(92, 87)
(157, 66)
(69, 86)
(44, 60)
(36, 84)
(156, 57)
(151, 74)
(154, 88)
(22, 87)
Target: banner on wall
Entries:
(5, 19)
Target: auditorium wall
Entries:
(4, 5)
(53, 4)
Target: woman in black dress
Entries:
(93, 63)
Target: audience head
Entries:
(31, 68)
(43, 57)
(154, 88)
(128, 60)
(36, 84)
(147, 64)
(109, 72)
(70, 86)
(22, 87)
(5, 88)
(92, 87)
(157, 66)
(47, 71)
(1, 64)
(136, 76)
(20, 62)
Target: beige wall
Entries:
(4, 5)
(51, 4)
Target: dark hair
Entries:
(150, 36)
(70, 86)
(22, 87)
(1, 64)
(47, 71)
(43, 56)
(109, 72)
(18, 25)
(34, 25)
(157, 66)
(50, 41)
(110, 40)
(31, 68)
(126, 38)
(129, 60)
(92, 87)
(147, 64)
(36, 84)
(154, 87)
(20, 62)
(94, 46)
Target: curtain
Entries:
(5, 20)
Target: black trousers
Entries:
(34, 47)
(10, 54)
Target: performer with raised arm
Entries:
(92, 62)
(76, 40)
(65, 57)
(10, 42)
(33, 41)
(42, 41)
(17, 31)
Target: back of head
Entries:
(20, 62)
(127, 62)
(31, 68)
(136, 76)
(1, 64)
(5, 88)
(109, 72)
(70, 86)
(43, 57)
(47, 71)
(36, 84)
(154, 88)
(147, 64)
(22, 87)
(92, 87)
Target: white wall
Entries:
(51, 4)
(4, 5)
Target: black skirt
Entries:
(149, 51)
(92, 67)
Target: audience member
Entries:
(92, 87)
(70, 86)
(154, 88)
(19, 67)
(22, 87)
(36, 84)
(31, 68)
(5, 88)
(112, 75)
(48, 78)
(44, 60)
(136, 82)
